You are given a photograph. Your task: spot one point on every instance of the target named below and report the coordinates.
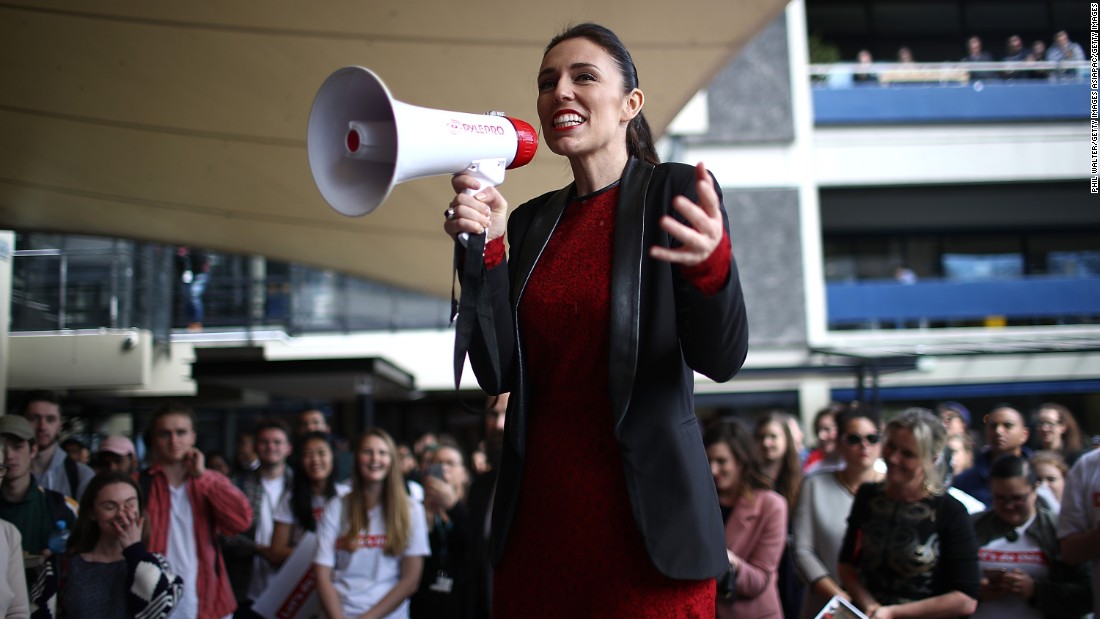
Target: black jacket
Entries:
(662, 328)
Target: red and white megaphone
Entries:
(362, 142)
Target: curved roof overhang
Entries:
(185, 123)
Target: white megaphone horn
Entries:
(362, 142)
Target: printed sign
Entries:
(292, 594)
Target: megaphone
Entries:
(362, 142)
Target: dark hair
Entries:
(171, 408)
(828, 411)
(104, 461)
(301, 494)
(1007, 467)
(736, 435)
(855, 411)
(40, 395)
(789, 478)
(69, 442)
(1004, 406)
(324, 415)
(639, 138)
(1071, 438)
(272, 423)
(85, 533)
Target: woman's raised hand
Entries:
(486, 209)
(698, 239)
(128, 528)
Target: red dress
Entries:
(574, 549)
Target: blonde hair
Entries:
(931, 437)
(394, 499)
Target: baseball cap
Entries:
(16, 426)
(957, 408)
(118, 445)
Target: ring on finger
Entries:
(449, 214)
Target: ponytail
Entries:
(639, 141)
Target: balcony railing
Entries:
(1032, 300)
(112, 283)
(950, 92)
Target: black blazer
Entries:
(662, 329)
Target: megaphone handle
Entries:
(464, 237)
(489, 173)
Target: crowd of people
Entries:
(936, 529)
(600, 494)
(1060, 49)
(906, 518)
(171, 536)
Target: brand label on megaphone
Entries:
(459, 126)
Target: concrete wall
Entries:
(766, 233)
(750, 99)
(750, 111)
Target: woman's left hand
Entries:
(128, 528)
(698, 239)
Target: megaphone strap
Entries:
(475, 307)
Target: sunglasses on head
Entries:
(856, 439)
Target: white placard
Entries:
(840, 608)
(291, 592)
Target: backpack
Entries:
(58, 506)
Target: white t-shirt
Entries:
(364, 576)
(181, 553)
(265, 526)
(285, 515)
(416, 491)
(1081, 507)
(1023, 554)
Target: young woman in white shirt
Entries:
(371, 543)
(314, 485)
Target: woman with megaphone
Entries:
(616, 289)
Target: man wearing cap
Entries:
(116, 454)
(33, 510)
(52, 467)
(13, 579)
(955, 417)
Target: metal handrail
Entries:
(821, 70)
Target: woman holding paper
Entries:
(910, 550)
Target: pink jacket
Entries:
(757, 533)
(217, 507)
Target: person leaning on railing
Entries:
(946, 73)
